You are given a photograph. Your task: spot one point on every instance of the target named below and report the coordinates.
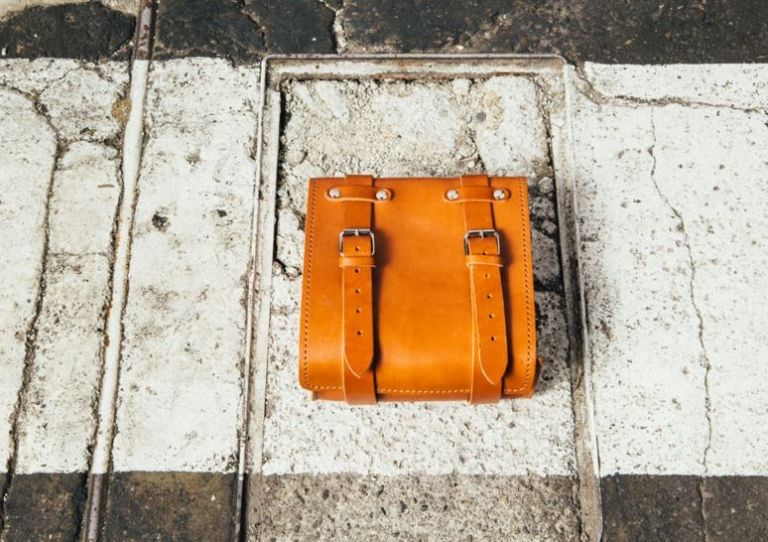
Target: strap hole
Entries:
(491, 316)
(358, 310)
(489, 296)
(360, 332)
(357, 249)
(493, 338)
(487, 275)
(357, 269)
(357, 290)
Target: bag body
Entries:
(418, 289)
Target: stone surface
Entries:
(55, 375)
(417, 507)
(736, 507)
(639, 507)
(171, 506)
(599, 31)
(674, 507)
(45, 506)
(424, 128)
(243, 31)
(672, 203)
(88, 31)
(12, 6)
(604, 31)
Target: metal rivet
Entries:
(334, 193)
(452, 195)
(499, 194)
(382, 195)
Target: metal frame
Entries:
(275, 70)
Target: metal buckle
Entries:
(481, 234)
(356, 232)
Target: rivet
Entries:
(452, 195)
(382, 195)
(499, 194)
(334, 193)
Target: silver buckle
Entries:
(481, 234)
(356, 232)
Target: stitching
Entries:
(308, 281)
(526, 263)
(387, 390)
(422, 391)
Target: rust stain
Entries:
(120, 110)
(145, 23)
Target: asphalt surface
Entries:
(605, 31)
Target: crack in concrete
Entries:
(30, 336)
(338, 34)
(700, 318)
(257, 23)
(590, 91)
(541, 96)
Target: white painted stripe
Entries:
(672, 207)
(183, 352)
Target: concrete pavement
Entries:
(669, 190)
(152, 212)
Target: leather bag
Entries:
(418, 289)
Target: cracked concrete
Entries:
(692, 264)
(172, 235)
(51, 421)
(678, 163)
(686, 278)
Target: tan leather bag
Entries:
(418, 289)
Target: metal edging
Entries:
(401, 66)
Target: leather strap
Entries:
(489, 327)
(357, 263)
(357, 192)
(477, 193)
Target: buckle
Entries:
(356, 232)
(481, 234)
